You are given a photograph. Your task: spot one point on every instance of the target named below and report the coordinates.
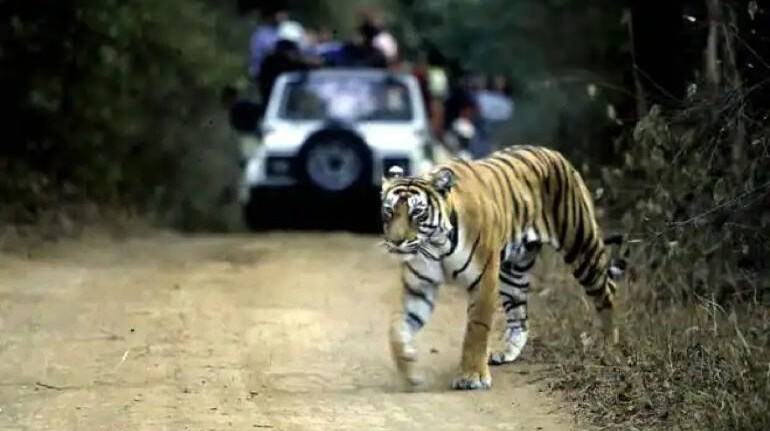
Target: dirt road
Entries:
(279, 331)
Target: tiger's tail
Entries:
(619, 262)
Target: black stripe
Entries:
(578, 240)
(547, 196)
(470, 256)
(538, 153)
(520, 204)
(480, 323)
(597, 276)
(500, 173)
(506, 266)
(507, 201)
(514, 323)
(573, 214)
(414, 320)
(527, 162)
(419, 295)
(428, 255)
(588, 261)
(397, 189)
(494, 172)
(478, 279)
(507, 304)
(509, 281)
(531, 189)
(514, 302)
(526, 267)
(548, 173)
(436, 207)
(454, 236)
(418, 275)
(471, 168)
(559, 197)
(512, 202)
(590, 277)
(595, 292)
(594, 271)
(545, 216)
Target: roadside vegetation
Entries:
(117, 110)
(695, 348)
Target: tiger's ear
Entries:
(443, 180)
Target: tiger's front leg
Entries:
(420, 280)
(482, 291)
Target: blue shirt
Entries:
(262, 43)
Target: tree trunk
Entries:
(711, 55)
(733, 77)
(641, 97)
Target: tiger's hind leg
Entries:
(514, 290)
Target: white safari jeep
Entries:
(330, 135)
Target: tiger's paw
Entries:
(409, 375)
(414, 380)
(512, 350)
(611, 336)
(411, 379)
(503, 357)
(405, 357)
(610, 333)
(472, 381)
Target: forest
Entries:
(664, 105)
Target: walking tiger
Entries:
(480, 224)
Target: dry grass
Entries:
(679, 366)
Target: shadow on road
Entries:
(359, 213)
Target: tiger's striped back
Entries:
(526, 192)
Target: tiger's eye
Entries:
(418, 213)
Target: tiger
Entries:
(480, 224)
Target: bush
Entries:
(693, 195)
(697, 197)
(113, 97)
(677, 367)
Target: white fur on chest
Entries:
(428, 267)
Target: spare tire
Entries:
(335, 160)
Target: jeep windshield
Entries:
(346, 97)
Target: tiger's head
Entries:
(415, 210)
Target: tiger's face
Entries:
(414, 211)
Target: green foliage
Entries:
(693, 194)
(525, 39)
(702, 215)
(551, 51)
(111, 96)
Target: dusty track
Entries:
(279, 331)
